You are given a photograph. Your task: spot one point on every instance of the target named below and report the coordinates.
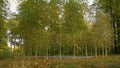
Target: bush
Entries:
(5, 53)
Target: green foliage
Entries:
(32, 24)
(5, 53)
(112, 8)
(2, 25)
(102, 29)
(59, 27)
(74, 20)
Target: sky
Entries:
(90, 2)
(14, 4)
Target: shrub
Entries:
(5, 53)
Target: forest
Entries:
(60, 34)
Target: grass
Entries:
(107, 62)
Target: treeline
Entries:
(62, 28)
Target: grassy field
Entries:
(107, 62)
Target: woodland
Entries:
(60, 34)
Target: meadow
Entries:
(107, 62)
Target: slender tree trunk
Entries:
(99, 51)
(60, 53)
(36, 53)
(86, 50)
(28, 51)
(106, 51)
(54, 51)
(74, 52)
(91, 52)
(47, 53)
(31, 51)
(103, 54)
(11, 49)
(14, 49)
(95, 51)
(18, 50)
(96, 55)
(24, 51)
(82, 50)
(38, 50)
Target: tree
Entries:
(102, 33)
(4, 50)
(1, 26)
(32, 24)
(74, 21)
(112, 8)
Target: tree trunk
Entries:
(91, 52)
(31, 49)
(113, 23)
(14, 50)
(60, 53)
(82, 51)
(47, 53)
(18, 49)
(11, 49)
(36, 53)
(95, 51)
(74, 52)
(86, 50)
(54, 51)
(106, 51)
(103, 54)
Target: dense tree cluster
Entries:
(63, 28)
(112, 8)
